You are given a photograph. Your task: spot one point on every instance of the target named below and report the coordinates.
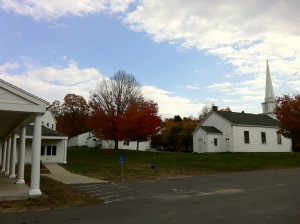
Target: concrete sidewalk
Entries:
(60, 174)
(9, 190)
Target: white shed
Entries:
(89, 140)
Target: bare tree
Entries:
(205, 111)
(109, 102)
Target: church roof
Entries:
(248, 119)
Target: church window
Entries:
(215, 141)
(263, 138)
(279, 141)
(246, 137)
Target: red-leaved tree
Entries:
(73, 114)
(287, 111)
(109, 102)
(140, 121)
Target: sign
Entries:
(122, 160)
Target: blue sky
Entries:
(186, 54)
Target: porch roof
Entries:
(211, 129)
(17, 108)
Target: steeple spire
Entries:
(269, 94)
(269, 104)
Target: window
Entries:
(47, 124)
(52, 126)
(42, 150)
(246, 137)
(263, 138)
(126, 143)
(54, 150)
(215, 141)
(48, 150)
(279, 141)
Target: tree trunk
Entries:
(116, 144)
(137, 146)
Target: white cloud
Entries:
(223, 87)
(193, 87)
(68, 76)
(170, 104)
(52, 83)
(8, 66)
(60, 8)
(243, 33)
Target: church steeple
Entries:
(269, 104)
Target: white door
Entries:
(227, 145)
(200, 143)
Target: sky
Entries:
(185, 53)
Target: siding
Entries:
(220, 123)
(210, 143)
(255, 144)
(85, 139)
(200, 134)
(58, 158)
(48, 121)
(8, 97)
(73, 141)
(143, 146)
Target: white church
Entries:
(223, 131)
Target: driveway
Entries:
(247, 197)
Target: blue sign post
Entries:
(122, 161)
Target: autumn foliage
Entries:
(119, 111)
(287, 111)
(141, 121)
(176, 134)
(72, 115)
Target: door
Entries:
(227, 145)
(200, 143)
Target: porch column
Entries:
(8, 156)
(36, 156)
(12, 170)
(1, 149)
(4, 157)
(65, 152)
(21, 160)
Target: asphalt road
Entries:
(247, 197)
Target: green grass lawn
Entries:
(104, 164)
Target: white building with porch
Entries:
(18, 109)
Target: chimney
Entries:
(215, 108)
